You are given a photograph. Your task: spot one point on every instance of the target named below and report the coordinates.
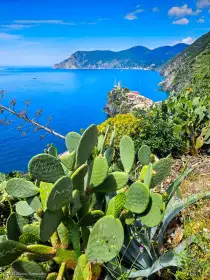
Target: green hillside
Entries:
(191, 68)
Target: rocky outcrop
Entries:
(123, 101)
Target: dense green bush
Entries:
(159, 135)
(84, 215)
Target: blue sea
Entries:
(74, 98)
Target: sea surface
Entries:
(74, 98)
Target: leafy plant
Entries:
(82, 213)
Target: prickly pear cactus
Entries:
(109, 154)
(78, 178)
(76, 203)
(41, 249)
(137, 197)
(144, 154)
(91, 218)
(162, 169)
(86, 144)
(69, 160)
(116, 205)
(24, 209)
(114, 181)
(30, 269)
(155, 211)
(67, 256)
(52, 150)
(92, 271)
(9, 251)
(106, 240)
(34, 203)
(46, 168)
(49, 223)
(61, 194)
(52, 276)
(74, 234)
(45, 189)
(99, 172)
(20, 188)
(15, 225)
(78, 272)
(72, 141)
(63, 234)
(127, 153)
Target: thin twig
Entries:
(27, 119)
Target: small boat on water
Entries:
(34, 78)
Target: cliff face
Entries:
(189, 68)
(136, 57)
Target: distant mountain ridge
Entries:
(190, 68)
(135, 57)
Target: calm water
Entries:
(74, 98)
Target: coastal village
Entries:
(135, 99)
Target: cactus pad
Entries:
(144, 154)
(32, 229)
(91, 218)
(109, 154)
(14, 226)
(76, 204)
(52, 150)
(92, 271)
(52, 276)
(68, 160)
(63, 234)
(87, 142)
(9, 251)
(78, 178)
(78, 272)
(137, 197)
(30, 270)
(41, 249)
(74, 234)
(72, 141)
(127, 153)
(114, 181)
(61, 194)
(50, 223)
(46, 168)
(162, 169)
(99, 171)
(106, 240)
(155, 211)
(34, 203)
(24, 209)
(20, 188)
(45, 189)
(70, 257)
(116, 204)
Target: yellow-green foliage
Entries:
(125, 124)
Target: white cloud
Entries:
(16, 26)
(7, 36)
(182, 21)
(188, 40)
(155, 9)
(133, 15)
(201, 20)
(182, 11)
(203, 3)
(44, 21)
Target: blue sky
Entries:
(34, 32)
